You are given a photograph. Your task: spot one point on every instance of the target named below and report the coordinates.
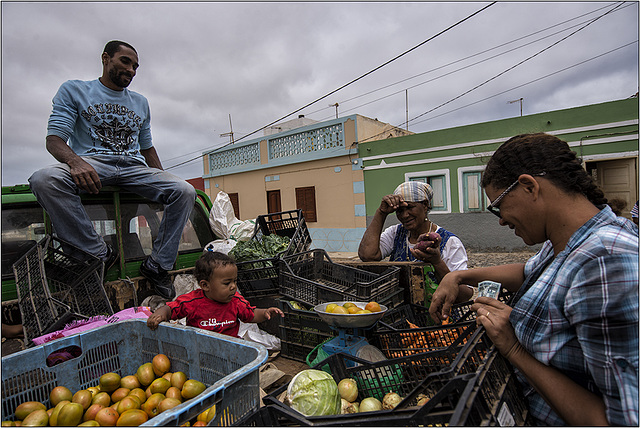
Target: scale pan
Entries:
(349, 320)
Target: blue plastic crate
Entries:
(228, 366)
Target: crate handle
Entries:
(62, 355)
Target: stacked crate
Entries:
(308, 277)
(459, 372)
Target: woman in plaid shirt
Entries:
(572, 333)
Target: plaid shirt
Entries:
(578, 312)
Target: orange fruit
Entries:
(373, 307)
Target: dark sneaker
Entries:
(111, 258)
(159, 278)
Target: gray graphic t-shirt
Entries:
(97, 120)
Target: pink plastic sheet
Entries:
(94, 322)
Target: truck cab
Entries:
(127, 221)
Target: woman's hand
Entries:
(445, 295)
(494, 316)
(390, 203)
(430, 254)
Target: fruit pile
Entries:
(352, 308)
(116, 401)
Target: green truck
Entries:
(127, 221)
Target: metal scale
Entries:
(351, 327)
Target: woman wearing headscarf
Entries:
(572, 329)
(411, 201)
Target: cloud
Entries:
(260, 61)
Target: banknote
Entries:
(489, 289)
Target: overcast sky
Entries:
(258, 62)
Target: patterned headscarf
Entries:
(414, 191)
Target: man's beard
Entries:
(117, 80)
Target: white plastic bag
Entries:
(251, 332)
(221, 245)
(224, 224)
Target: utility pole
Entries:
(515, 101)
(229, 134)
(336, 106)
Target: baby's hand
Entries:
(272, 311)
(154, 320)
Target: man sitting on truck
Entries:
(108, 131)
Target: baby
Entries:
(216, 306)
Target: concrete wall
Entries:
(333, 180)
(477, 231)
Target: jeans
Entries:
(60, 197)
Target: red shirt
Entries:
(208, 314)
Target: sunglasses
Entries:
(493, 206)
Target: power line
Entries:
(518, 64)
(356, 79)
(501, 73)
(472, 56)
(627, 4)
(529, 82)
(450, 72)
(439, 68)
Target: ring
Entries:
(487, 314)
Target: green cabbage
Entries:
(314, 393)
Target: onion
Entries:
(391, 400)
(348, 389)
(422, 399)
(370, 404)
(353, 407)
(344, 405)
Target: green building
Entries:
(604, 135)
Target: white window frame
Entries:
(446, 190)
(462, 195)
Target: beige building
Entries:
(301, 164)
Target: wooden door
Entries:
(274, 204)
(618, 179)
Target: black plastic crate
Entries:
(271, 416)
(301, 331)
(311, 277)
(470, 386)
(419, 315)
(401, 375)
(285, 223)
(259, 278)
(490, 398)
(431, 371)
(56, 282)
(400, 342)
